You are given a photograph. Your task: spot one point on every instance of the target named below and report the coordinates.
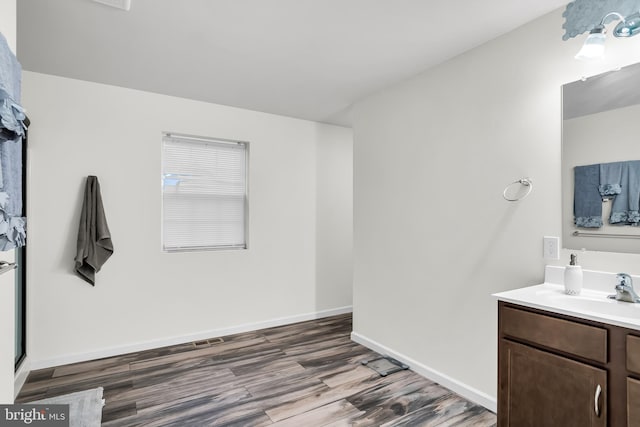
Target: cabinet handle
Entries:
(596, 400)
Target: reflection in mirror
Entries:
(601, 126)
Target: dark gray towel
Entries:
(587, 203)
(94, 238)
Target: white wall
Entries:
(7, 331)
(144, 297)
(334, 254)
(8, 21)
(7, 280)
(433, 236)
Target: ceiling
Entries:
(603, 92)
(310, 59)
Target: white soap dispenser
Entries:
(573, 277)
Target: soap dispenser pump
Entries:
(573, 277)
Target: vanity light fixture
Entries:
(628, 27)
(593, 47)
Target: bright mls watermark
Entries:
(34, 415)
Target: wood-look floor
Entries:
(303, 375)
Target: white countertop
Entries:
(591, 304)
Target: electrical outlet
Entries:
(551, 247)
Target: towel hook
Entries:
(523, 181)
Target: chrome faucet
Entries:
(624, 289)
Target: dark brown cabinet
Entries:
(633, 402)
(542, 389)
(557, 370)
(633, 355)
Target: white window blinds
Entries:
(204, 193)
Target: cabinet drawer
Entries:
(633, 402)
(633, 354)
(574, 338)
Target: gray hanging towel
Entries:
(626, 206)
(587, 204)
(94, 238)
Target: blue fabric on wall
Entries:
(12, 130)
(11, 161)
(587, 203)
(10, 71)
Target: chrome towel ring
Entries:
(523, 181)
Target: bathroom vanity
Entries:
(567, 360)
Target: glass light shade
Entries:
(629, 27)
(593, 47)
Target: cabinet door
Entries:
(633, 354)
(633, 402)
(541, 389)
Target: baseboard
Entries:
(21, 376)
(454, 385)
(148, 345)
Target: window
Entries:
(204, 193)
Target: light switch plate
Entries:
(551, 247)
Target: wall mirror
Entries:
(600, 125)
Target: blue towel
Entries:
(12, 228)
(10, 72)
(11, 164)
(610, 179)
(587, 203)
(626, 205)
(12, 115)
(12, 130)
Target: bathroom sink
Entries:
(599, 304)
(590, 304)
